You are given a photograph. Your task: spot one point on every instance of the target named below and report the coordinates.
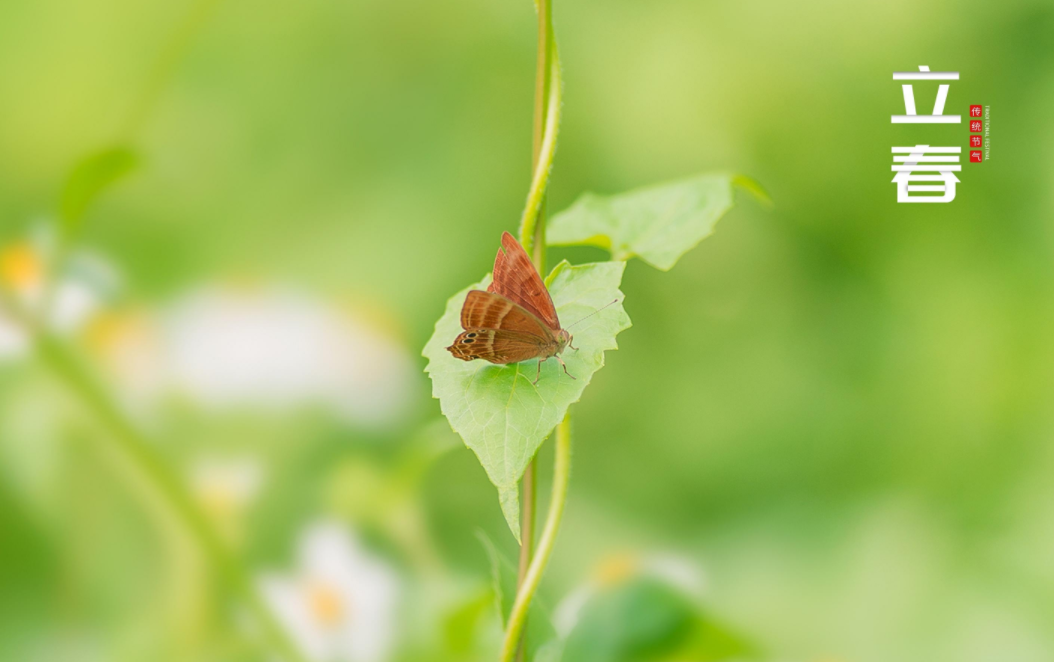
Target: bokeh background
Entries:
(829, 429)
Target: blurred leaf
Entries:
(713, 641)
(639, 620)
(647, 619)
(459, 627)
(89, 178)
(541, 635)
(502, 577)
(496, 409)
(658, 224)
(551, 651)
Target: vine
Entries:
(504, 426)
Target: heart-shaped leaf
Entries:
(658, 224)
(496, 409)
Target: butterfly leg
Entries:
(565, 367)
(539, 375)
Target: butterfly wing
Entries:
(499, 331)
(488, 310)
(497, 346)
(516, 279)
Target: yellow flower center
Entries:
(21, 267)
(325, 604)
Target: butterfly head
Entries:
(563, 339)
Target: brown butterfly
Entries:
(514, 320)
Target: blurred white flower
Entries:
(131, 345)
(672, 569)
(86, 282)
(14, 341)
(283, 349)
(340, 606)
(266, 348)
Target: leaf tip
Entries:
(752, 186)
(509, 497)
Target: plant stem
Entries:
(542, 84)
(143, 457)
(547, 90)
(546, 126)
(526, 538)
(561, 477)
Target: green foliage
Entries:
(461, 625)
(502, 577)
(496, 409)
(89, 178)
(502, 593)
(647, 619)
(658, 224)
(637, 620)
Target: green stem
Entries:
(526, 538)
(532, 232)
(561, 478)
(143, 457)
(547, 92)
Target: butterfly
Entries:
(514, 319)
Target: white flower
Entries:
(267, 348)
(131, 346)
(672, 569)
(14, 341)
(282, 349)
(86, 282)
(341, 604)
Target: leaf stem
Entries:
(561, 478)
(143, 457)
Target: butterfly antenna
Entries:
(592, 313)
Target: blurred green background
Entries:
(839, 412)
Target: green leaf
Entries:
(551, 651)
(640, 620)
(658, 224)
(461, 624)
(89, 178)
(496, 409)
(502, 577)
(711, 640)
(647, 619)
